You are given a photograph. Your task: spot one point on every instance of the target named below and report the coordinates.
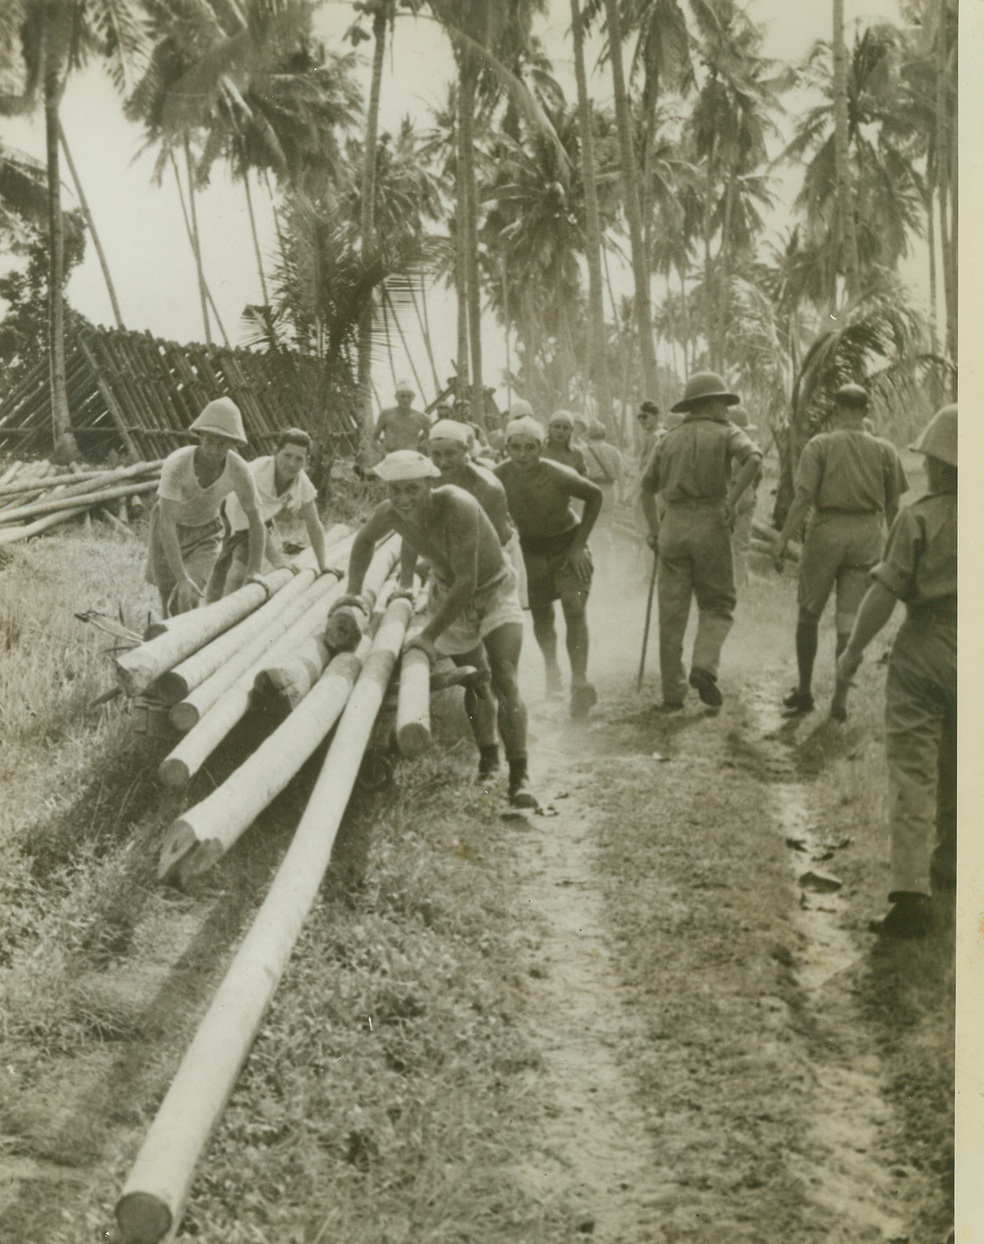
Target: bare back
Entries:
(456, 525)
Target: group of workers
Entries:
(492, 534)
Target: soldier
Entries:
(559, 445)
(185, 528)
(555, 551)
(282, 487)
(400, 426)
(472, 610)
(919, 567)
(691, 471)
(853, 481)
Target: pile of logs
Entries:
(269, 647)
(35, 496)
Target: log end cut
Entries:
(142, 1218)
(174, 772)
(413, 739)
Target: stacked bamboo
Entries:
(31, 501)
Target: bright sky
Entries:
(141, 224)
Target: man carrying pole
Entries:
(691, 470)
(283, 487)
(185, 529)
(853, 481)
(473, 615)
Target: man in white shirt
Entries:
(283, 486)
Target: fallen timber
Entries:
(413, 731)
(180, 636)
(281, 687)
(156, 1191)
(204, 833)
(10, 535)
(67, 500)
(94, 476)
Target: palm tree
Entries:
(57, 37)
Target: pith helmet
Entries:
(701, 385)
(939, 438)
(739, 416)
(852, 395)
(221, 417)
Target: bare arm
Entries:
(379, 524)
(743, 478)
(408, 564)
(797, 512)
(875, 611)
(464, 567)
(257, 541)
(316, 533)
(187, 589)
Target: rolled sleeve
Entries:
(809, 471)
(741, 447)
(896, 572)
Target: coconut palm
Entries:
(55, 38)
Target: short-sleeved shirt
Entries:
(851, 470)
(299, 492)
(198, 505)
(567, 455)
(604, 462)
(401, 431)
(919, 565)
(692, 462)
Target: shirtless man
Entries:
(400, 426)
(472, 610)
(554, 544)
(559, 445)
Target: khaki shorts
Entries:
(494, 605)
(839, 550)
(199, 546)
(549, 578)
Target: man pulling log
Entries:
(555, 550)
(185, 529)
(282, 487)
(473, 615)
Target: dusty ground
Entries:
(649, 1022)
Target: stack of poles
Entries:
(30, 506)
(155, 1194)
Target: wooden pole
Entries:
(176, 683)
(94, 476)
(413, 732)
(302, 617)
(10, 535)
(279, 689)
(204, 833)
(187, 632)
(184, 760)
(68, 502)
(155, 1193)
(346, 626)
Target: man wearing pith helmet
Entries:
(690, 469)
(919, 567)
(852, 481)
(185, 529)
(473, 615)
(400, 426)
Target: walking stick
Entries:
(649, 614)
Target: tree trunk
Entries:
(847, 238)
(461, 265)
(630, 197)
(195, 241)
(592, 225)
(91, 225)
(468, 197)
(367, 221)
(256, 239)
(63, 439)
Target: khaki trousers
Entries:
(695, 562)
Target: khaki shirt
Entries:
(920, 561)
(851, 470)
(692, 462)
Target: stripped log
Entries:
(96, 475)
(301, 618)
(346, 626)
(68, 499)
(208, 830)
(11, 535)
(187, 632)
(184, 760)
(413, 731)
(176, 683)
(281, 686)
(154, 1195)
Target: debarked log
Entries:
(188, 756)
(154, 1195)
(206, 832)
(413, 730)
(10, 535)
(189, 631)
(346, 625)
(86, 499)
